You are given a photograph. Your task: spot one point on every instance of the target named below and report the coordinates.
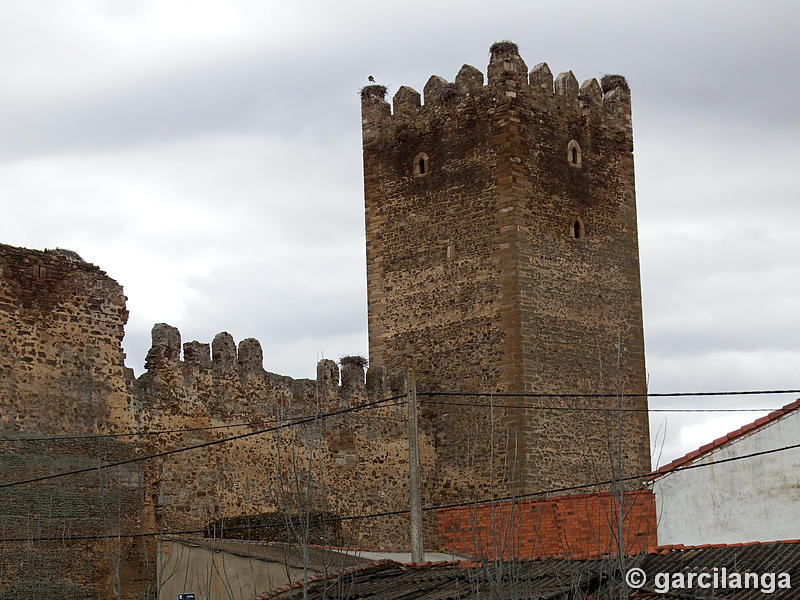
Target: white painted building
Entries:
(755, 499)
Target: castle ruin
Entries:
(502, 258)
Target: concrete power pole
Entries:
(417, 552)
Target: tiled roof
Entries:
(549, 579)
(390, 580)
(725, 439)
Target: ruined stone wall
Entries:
(61, 372)
(357, 461)
(61, 362)
(505, 261)
(62, 322)
(40, 515)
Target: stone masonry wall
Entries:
(357, 460)
(476, 279)
(62, 376)
(61, 372)
(499, 261)
(94, 503)
(61, 362)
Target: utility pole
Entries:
(417, 553)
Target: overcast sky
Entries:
(207, 155)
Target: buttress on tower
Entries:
(502, 256)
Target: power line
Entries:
(391, 513)
(461, 394)
(600, 408)
(302, 420)
(616, 395)
(240, 436)
(97, 436)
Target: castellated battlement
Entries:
(502, 251)
(207, 369)
(509, 83)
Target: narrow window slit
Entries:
(420, 165)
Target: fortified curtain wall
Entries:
(484, 274)
(351, 463)
(61, 347)
(61, 374)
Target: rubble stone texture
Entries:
(501, 255)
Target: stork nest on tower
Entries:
(611, 82)
(353, 360)
(503, 47)
(374, 91)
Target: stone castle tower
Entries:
(502, 256)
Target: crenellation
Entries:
(460, 101)
(250, 357)
(566, 86)
(506, 66)
(590, 92)
(353, 383)
(327, 372)
(223, 354)
(406, 101)
(374, 113)
(327, 383)
(165, 348)
(617, 108)
(541, 79)
(435, 91)
(469, 80)
(196, 354)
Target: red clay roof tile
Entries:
(721, 441)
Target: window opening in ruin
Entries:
(574, 153)
(420, 165)
(577, 230)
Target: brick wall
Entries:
(577, 526)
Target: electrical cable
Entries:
(469, 394)
(572, 488)
(600, 408)
(240, 436)
(61, 438)
(617, 395)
